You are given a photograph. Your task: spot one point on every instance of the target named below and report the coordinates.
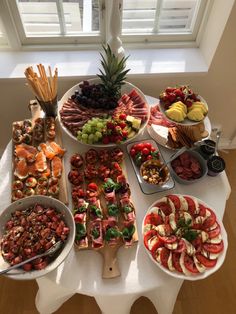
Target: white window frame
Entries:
(188, 39)
(18, 39)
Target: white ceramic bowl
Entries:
(45, 201)
(208, 271)
(125, 89)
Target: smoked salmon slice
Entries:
(51, 149)
(32, 170)
(56, 167)
(21, 169)
(41, 162)
(25, 151)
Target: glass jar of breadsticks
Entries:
(44, 88)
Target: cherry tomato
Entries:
(145, 151)
(214, 248)
(189, 264)
(153, 219)
(147, 145)
(206, 261)
(92, 186)
(132, 152)
(149, 157)
(122, 116)
(139, 147)
(153, 149)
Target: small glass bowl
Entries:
(149, 171)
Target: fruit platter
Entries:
(182, 105)
(173, 135)
(38, 165)
(104, 111)
(103, 211)
(147, 163)
(183, 237)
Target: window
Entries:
(50, 22)
(161, 20)
(3, 40)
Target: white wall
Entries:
(218, 87)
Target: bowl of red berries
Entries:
(31, 227)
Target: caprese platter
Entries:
(183, 237)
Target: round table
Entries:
(81, 272)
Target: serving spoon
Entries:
(56, 246)
(179, 152)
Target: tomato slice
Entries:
(175, 261)
(214, 233)
(202, 210)
(197, 243)
(169, 239)
(181, 246)
(214, 248)
(148, 235)
(175, 199)
(206, 261)
(165, 253)
(158, 243)
(209, 221)
(153, 219)
(165, 208)
(189, 264)
(191, 205)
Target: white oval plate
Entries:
(125, 89)
(23, 204)
(209, 271)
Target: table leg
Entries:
(116, 304)
(50, 296)
(164, 298)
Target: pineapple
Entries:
(113, 74)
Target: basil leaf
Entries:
(80, 231)
(112, 233)
(96, 211)
(113, 210)
(128, 232)
(127, 209)
(95, 233)
(190, 235)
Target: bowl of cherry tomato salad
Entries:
(143, 151)
(31, 226)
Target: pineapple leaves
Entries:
(113, 72)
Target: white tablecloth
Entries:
(81, 271)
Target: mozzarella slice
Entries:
(169, 263)
(152, 241)
(201, 268)
(215, 240)
(172, 221)
(197, 209)
(158, 255)
(161, 230)
(171, 246)
(189, 248)
(204, 236)
(158, 211)
(184, 203)
(187, 217)
(210, 255)
(181, 262)
(199, 220)
(147, 227)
